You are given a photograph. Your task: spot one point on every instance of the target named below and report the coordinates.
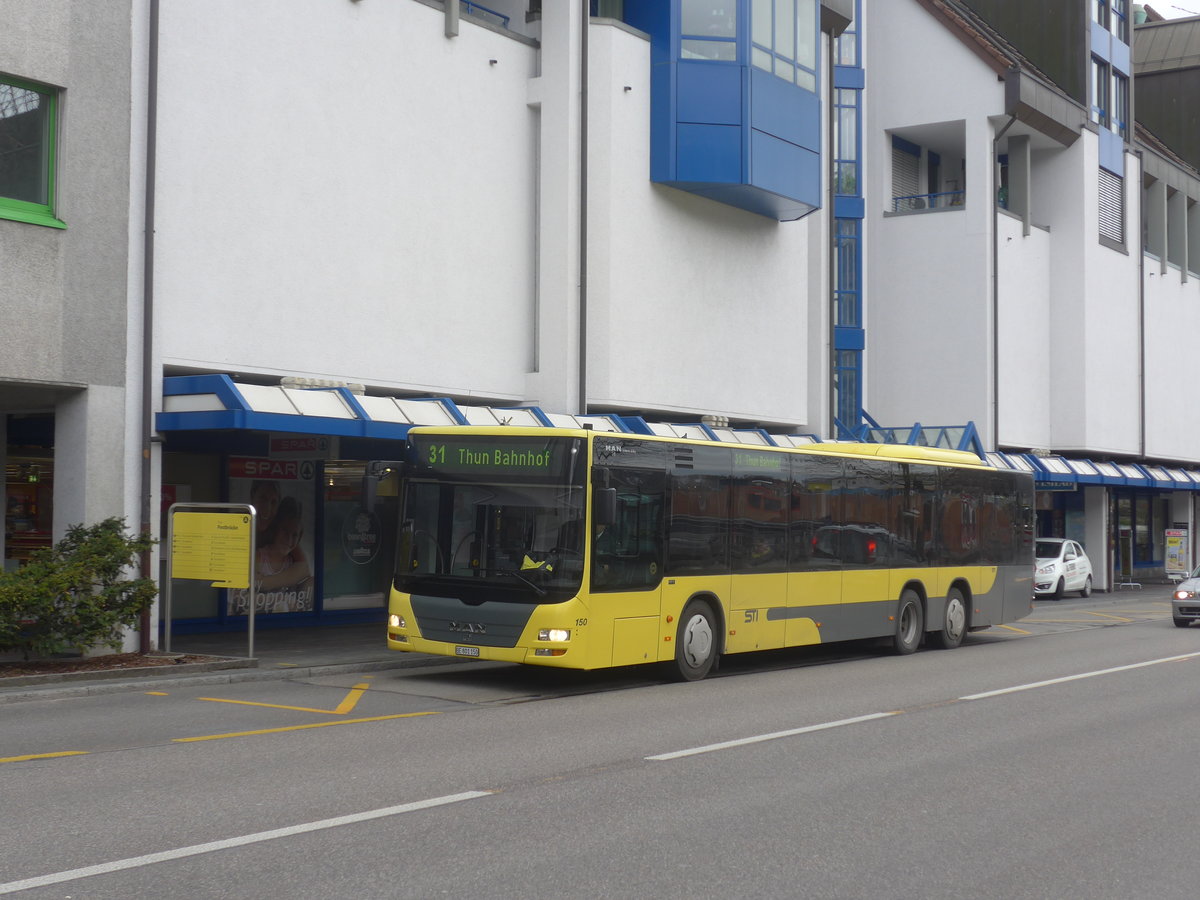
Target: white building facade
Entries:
(656, 209)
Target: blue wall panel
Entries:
(711, 153)
(709, 93)
(785, 169)
(1112, 152)
(784, 110)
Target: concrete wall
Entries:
(1025, 338)
(64, 319)
(1172, 314)
(346, 193)
(63, 316)
(928, 307)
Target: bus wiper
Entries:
(541, 591)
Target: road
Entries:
(1047, 759)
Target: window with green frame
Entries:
(28, 137)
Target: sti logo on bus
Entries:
(468, 627)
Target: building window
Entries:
(1119, 24)
(846, 45)
(1113, 17)
(28, 128)
(708, 30)
(847, 310)
(1120, 105)
(906, 175)
(1100, 89)
(845, 142)
(783, 39)
(1112, 207)
(847, 390)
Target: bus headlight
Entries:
(397, 622)
(554, 634)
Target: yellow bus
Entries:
(586, 550)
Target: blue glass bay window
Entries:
(734, 107)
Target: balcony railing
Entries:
(915, 202)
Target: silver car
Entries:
(1185, 600)
(1060, 566)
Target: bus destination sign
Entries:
(491, 456)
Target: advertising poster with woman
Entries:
(282, 493)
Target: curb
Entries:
(126, 673)
(225, 671)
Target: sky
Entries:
(1176, 10)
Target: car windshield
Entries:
(1047, 549)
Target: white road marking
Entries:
(741, 742)
(1081, 675)
(195, 850)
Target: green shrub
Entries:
(74, 596)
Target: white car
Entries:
(1060, 566)
(1185, 600)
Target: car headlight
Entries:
(1047, 570)
(554, 634)
(1185, 595)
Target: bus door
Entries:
(758, 616)
(814, 557)
(867, 547)
(627, 565)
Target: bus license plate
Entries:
(466, 651)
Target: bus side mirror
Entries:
(376, 471)
(604, 506)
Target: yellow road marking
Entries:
(342, 708)
(1107, 616)
(158, 693)
(43, 756)
(235, 734)
(1014, 628)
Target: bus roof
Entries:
(894, 452)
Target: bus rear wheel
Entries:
(910, 622)
(695, 642)
(954, 622)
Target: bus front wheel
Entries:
(910, 622)
(695, 642)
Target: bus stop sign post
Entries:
(211, 542)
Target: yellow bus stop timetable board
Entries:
(214, 547)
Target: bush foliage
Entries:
(75, 595)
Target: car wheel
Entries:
(910, 622)
(1087, 587)
(1060, 589)
(954, 622)
(1181, 623)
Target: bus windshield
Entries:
(493, 519)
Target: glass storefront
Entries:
(321, 556)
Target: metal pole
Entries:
(166, 645)
(253, 586)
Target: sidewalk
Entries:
(278, 653)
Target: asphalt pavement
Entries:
(334, 649)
